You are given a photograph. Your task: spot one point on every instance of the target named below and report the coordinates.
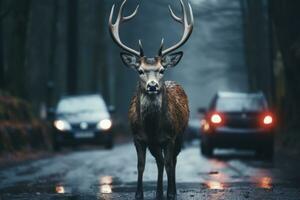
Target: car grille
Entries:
(80, 127)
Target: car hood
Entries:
(91, 117)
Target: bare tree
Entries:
(72, 46)
(2, 83)
(285, 16)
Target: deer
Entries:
(158, 111)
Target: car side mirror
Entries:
(202, 110)
(111, 109)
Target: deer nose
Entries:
(152, 86)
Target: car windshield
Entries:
(235, 104)
(81, 104)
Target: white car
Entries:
(82, 119)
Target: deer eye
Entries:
(140, 71)
(162, 71)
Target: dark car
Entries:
(238, 120)
(82, 119)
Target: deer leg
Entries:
(170, 168)
(141, 154)
(157, 153)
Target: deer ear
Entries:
(172, 60)
(130, 60)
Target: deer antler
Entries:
(188, 29)
(114, 29)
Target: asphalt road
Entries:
(103, 174)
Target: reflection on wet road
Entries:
(101, 174)
(60, 189)
(106, 185)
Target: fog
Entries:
(213, 57)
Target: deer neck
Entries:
(150, 105)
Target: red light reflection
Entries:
(265, 182)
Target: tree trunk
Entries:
(16, 45)
(2, 81)
(285, 15)
(72, 49)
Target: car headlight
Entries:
(62, 125)
(104, 124)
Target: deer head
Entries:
(151, 70)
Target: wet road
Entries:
(102, 174)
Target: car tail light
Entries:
(216, 118)
(267, 120)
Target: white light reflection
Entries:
(214, 185)
(105, 184)
(60, 189)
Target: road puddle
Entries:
(265, 183)
(216, 180)
(263, 180)
(60, 189)
(214, 185)
(105, 183)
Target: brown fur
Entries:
(159, 111)
(178, 109)
(174, 112)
